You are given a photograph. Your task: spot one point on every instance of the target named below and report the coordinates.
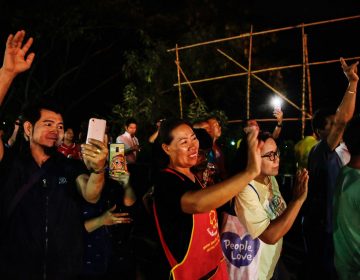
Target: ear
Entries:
(28, 127)
(165, 148)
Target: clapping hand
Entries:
(301, 185)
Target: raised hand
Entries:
(350, 71)
(278, 114)
(15, 61)
(254, 147)
(301, 185)
(94, 155)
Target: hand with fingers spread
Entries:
(15, 61)
(110, 218)
(301, 185)
(95, 155)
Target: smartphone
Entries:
(117, 160)
(96, 129)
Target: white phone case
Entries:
(96, 129)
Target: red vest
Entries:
(204, 258)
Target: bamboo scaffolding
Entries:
(183, 74)
(264, 32)
(252, 73)
(263, 70)
(264, 83)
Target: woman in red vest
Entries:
(185, 211)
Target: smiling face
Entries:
(183, 149)
(47, 132)
(268, 167)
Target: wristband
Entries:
(351, 92)
(279, 125)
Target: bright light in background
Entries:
(276, 102)
(232, 143)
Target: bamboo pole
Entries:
(303, 86)
(308, 78)
(264, 70)
(179, 81)
(249, 76)
(263, 82)
(264, 32)
(268, 120)
(184, 75)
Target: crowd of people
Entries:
(64, 216)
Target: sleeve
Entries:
(168, 192)
(121, 140)
(250, 212)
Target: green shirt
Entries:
(347, 223)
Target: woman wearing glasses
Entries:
(263, 212)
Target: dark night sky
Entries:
(325, 42)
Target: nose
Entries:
(194, 145)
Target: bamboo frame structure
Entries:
(306, 82)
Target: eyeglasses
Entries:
(272, 155)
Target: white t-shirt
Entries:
(255, 210)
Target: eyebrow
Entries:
(52, 121)
(185, 137)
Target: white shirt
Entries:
(129, 142)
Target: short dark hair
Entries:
(240, 159)
(319, 118)
(351, 136)
(130, 121)
(32, 111)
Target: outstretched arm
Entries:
(216, 195)
(15, 61)
(345, 111)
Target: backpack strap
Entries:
(231, 209)
(254, 190)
